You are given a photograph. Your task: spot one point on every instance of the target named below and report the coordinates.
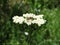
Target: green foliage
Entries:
(13, 34)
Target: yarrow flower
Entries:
(17, 19)
(39, 22)
(29, 18)
(21, 19)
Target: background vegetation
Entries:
(12, 34)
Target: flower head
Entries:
(17, 19)
(29, 18)
(39, 22)
(21, 20)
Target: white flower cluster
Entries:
(29, 19)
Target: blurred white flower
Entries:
(17, 19)
(21, 20)
(29, 18)
(26, 33)
(28, 15)
(39, 22)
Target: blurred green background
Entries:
(13, 34)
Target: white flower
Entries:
(26, 33)
(17, 19)
(21, 20)
(27, 15)
(39, 22)
(28, 22)
(29, 18)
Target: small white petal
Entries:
(26, 33)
